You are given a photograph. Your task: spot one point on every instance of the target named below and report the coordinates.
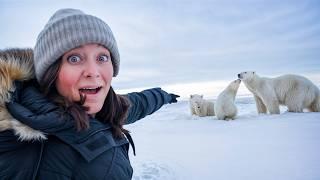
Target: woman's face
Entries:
(86, 70)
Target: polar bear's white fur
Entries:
(224, 107)
(295, 92)
(200, 106)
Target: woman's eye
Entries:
(103, 58)
(74, 59)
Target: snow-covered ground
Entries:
(172, 144)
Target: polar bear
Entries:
(200, 106)
(224, 107)
(295, 92)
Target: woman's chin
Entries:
(93, 109)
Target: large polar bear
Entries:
(296, 92)
(200, 106)
(224, 107)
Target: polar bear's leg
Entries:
(295, 107)
(234, 112)
(260, 106)
(221, 117)
(273, 106)
(231, 113)
(271, 102)
(315, 105)
(294, 100)
(233, 117)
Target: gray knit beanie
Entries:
(68, 29)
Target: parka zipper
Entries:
(35, 173)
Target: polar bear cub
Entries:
(224, 107)
(200, 106)
(295, 92)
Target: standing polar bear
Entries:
(200, 106)
(295, 92)
(225, 108)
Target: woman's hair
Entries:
(114, 110)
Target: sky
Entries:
(165, 42)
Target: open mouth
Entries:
(90, 90)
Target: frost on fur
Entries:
(294, 91)
(15, 64)
(200, 106)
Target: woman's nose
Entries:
(91, 70)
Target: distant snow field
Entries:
(173, 145)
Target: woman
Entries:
(75, 59)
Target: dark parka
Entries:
(68, 154)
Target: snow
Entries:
(171, 144)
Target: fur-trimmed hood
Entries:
(15, 65)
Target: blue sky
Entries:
(167, 42)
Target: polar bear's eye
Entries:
(245, 72)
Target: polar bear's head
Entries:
(247, 75)
(234, 85)
(196, 100)
(197, 103)
(196, 96)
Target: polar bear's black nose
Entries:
(238, 75)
